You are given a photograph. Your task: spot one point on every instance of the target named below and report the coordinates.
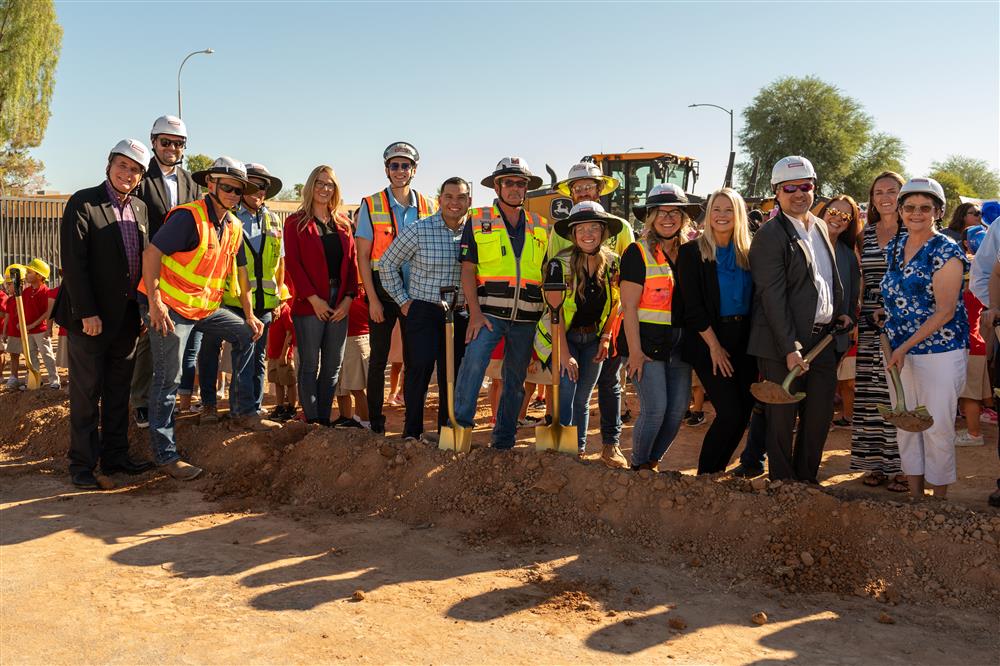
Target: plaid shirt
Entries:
(129, 228)
(431, 249)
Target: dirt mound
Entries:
(34, 425)
(793, 537)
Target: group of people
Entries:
(158, 275)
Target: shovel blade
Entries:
(556, 437)
(773, 394)
(34, 381)
(455, 439)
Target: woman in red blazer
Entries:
(321, 261)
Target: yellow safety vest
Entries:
(262, 268)
(509, 288)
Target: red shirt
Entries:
(3, 309)
(357, 317)
(280, 327)
(497, 354)
(36, 304)
(977, 346)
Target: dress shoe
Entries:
(84, 479)
(745, 472)
(126, 466)
(209, 415)
(181, 470)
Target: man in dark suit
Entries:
(165, 185)
(103, 233)
(798, 300)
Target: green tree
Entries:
(809, 117)
(981, 181)
(953, 186)
(197, 162)
(30, 41)
(883, 152)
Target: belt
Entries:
(821, 329)
(584, 329)
(733, 318)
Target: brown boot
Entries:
(181, 470)
(613, 457)
(185, 406)
(253, 422)
(209, 415)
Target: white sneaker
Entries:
(54, 385)
(963, 438)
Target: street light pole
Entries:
(206, 51)
(732, 152)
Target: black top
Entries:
(590, 305)
(658, 340)
(332, 247)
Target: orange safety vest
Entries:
(384, 226)
(192, 282)
(658, 290)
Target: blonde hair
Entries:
(649, 234)
(577, 260)
(309, 189)
(741, 229)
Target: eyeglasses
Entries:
(400, 166)
(669, 213)
(167, 143)
(846, 217)
(227, 188)
(909, 209)
(975, 213)
(514, 183)
(325, 185)
(801, 187)
(584, 188)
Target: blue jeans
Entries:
(168, 352)
(321, 352)
(609, 399)
(574, 397)
(208, 363)
(188, 363)
(664, 392)
(518, 337)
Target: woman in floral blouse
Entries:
(928, 331)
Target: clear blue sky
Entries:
(296, 84)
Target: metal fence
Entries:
(29, 228)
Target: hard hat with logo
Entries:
(588, 170)
(169, 125)
(793, 167)
(927, 186)
(132, 149)
(589, 211)
(513, 166)
(39, 267)
(666, 194)
(228, 167)
(260, 171)
(401, 149)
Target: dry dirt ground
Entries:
(314, 546)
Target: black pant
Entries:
(380, 340)
(801, 461)
(424, 339)
(756, 447)
(730, 396)
(100, 370)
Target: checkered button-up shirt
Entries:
(431, 249)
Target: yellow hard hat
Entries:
(15, 267)
(285, 294)
(40, 267)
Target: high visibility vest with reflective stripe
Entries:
(543, 335)
(262, 269)
(658, 290)
(384, 225)
(192, 282)
(509, 288)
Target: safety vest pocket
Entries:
(531, 293)
(489, 249)
(498, 289)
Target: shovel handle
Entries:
(449, 295)
(897, 383)
(813, 353)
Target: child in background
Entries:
(280, 354)
(495, 372)
(12, 328)
(396, 368)
(977, 382)
(3, 332)
(62, 352)
(37, 312)
(353, 378)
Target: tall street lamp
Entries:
(732, 153)
(206, 51)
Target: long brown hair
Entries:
(958, 217)
(873, 214)
(336, 202)
(577, 260)
(848, 236)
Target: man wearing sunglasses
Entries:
(381, 218)
(185, 273)
(503, 250)
(798, 301)
(166, 184)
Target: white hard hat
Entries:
(169, 125)
(401, 149)
(513, 166)
(927, 186)
(585, 170)
(229, 168)
(134, 150)
(792, 167)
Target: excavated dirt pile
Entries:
(792, 537)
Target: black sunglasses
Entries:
(166, 143)
(227, 188)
